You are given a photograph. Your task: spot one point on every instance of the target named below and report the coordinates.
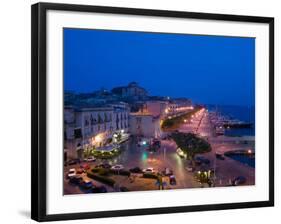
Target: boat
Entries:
(223, 121)
(237, 124)
(220, 130)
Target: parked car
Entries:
(86, 184)
(148, 170)
(90, 159)
(71, 172)
(117, 167)
(103, 165)
(239, 180)
(152, 148)
(101, 189)
(156, 143)
(85, 166)
(136, 170)
(73, 161)
(167, 172)
(190, 168)
(200, 159)
(172, 180)
(80, 171)
(75, 180)
(219, 156)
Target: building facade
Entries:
(86, 128)
(157, 108)
(144, 125)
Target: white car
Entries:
(148, 170)
(90, 159)
(189, 168)
(117, 167)
(71, 173)
(168, 172)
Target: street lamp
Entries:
(98, 138)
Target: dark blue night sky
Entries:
(207, 69)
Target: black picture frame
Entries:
(38, 108)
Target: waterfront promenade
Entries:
(227, 169)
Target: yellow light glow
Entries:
(98, 138)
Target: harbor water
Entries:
(242, 113)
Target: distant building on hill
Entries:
(132, 91)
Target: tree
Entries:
(172, 123)
(191, 144)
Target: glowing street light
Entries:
(98, 138)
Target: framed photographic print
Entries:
(139, 111)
